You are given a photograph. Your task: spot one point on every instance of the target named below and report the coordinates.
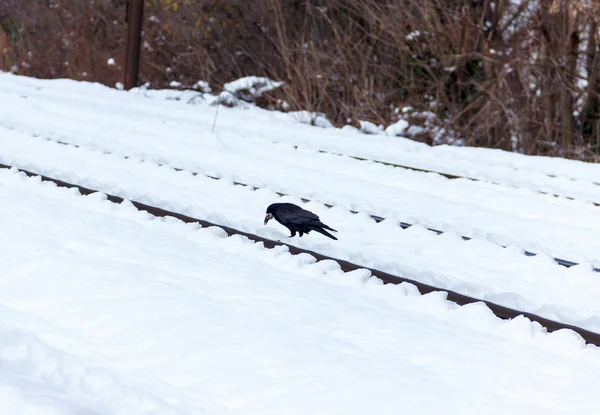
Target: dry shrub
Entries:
(518, 76)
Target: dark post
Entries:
(133, 16)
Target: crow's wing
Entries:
(295, 214)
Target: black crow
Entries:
(297, 219)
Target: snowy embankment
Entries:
(476, 268)
(94, 105)
(104, 309)
(177, 134)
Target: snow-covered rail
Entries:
(453, 176)
(498, 214)
(386, 278)
(376, 218)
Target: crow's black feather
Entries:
(298, 220)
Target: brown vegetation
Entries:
(516, 75)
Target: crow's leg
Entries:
(293, 234)
(300, 234)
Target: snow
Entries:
(146, 316)
(136, 127)
(312, 118)
(398, 128)
(477, 268)
(367, 127)
(252, 85)
(104, 309)
(202, 86)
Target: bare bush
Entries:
(516, 75)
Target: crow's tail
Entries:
(324, 232)
(322, 225)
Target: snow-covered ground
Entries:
(177, 134)
(119, 313)
(104, 310)
(174, 133)
(477, 268)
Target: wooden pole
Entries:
(134, 17)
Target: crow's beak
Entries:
(268, 217)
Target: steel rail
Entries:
(460, 299)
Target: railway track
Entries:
(460, 299)
(376, 218)
(446, 175)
